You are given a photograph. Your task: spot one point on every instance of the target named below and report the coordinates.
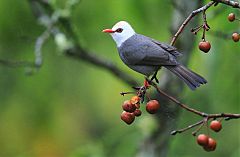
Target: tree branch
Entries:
(188, 19)
(16, 64)
(199, 10)
(234, 4)
(202, 114)
(81, 54)
(205, 116)
(174, 132)
(75, 51)
(38, 47)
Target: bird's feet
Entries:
(154, 77)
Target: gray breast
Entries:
(131, 51)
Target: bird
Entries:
(146, 55)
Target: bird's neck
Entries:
(119, 40)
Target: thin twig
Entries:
(38, 47)
(205, 116)
(205, 25)
(76, 51)
(234, 4)
(124, 93)
(81, 54)
(188, 19)
(16, 64)
(174, 132)
(200, 127)
(202, 114)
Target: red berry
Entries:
(202, 140)
(128, 106)
(235, 37)
(204, 46)
(135, 99)
(127, 117)
(137, 112)
(231, 17)
(216, 125)
(211, 146)
(152, 106)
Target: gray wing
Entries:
(169, 48)
(141, 50)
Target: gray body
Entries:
(146, 56)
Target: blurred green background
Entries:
(71, 109)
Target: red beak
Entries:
(108, 31)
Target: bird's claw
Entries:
(154, 77)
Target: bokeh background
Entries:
(71, 109)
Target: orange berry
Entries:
(204, 46)
(215, 125)
(135, 99)
(127, 117)
(152, 106)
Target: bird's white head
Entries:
(120, 32)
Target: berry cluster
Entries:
(204, 45)
(208, 143)
(231, 18)
(131, 109)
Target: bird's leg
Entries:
(155, 76)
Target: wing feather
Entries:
(141, 50)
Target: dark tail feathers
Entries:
(192, 79)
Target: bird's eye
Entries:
(119, 30)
